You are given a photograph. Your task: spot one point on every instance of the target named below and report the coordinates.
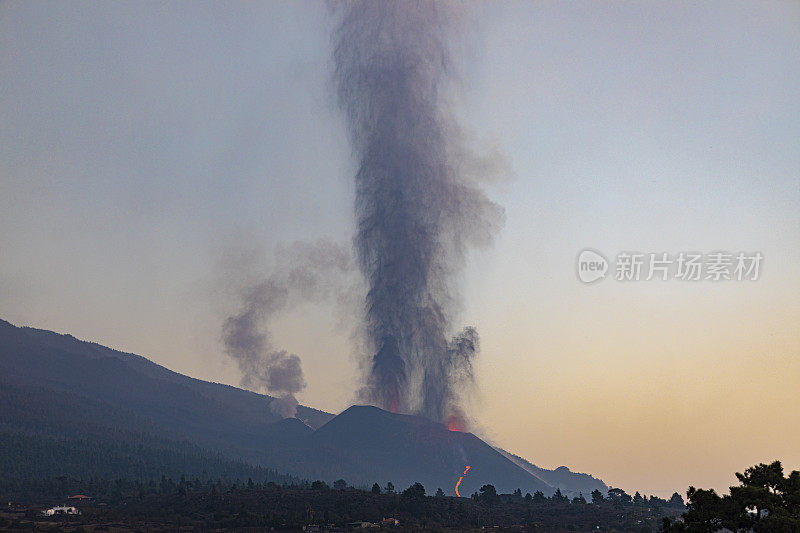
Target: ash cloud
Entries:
(304, 272)
(418, 203)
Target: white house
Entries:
(61, 510)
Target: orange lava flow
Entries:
(459, 480)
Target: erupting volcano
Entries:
(459, 480)
(418, 203)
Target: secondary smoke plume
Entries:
(417, 205)
(304, 272)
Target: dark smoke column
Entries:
(416, 215)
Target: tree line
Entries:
(765, 500)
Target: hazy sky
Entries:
(149, 150)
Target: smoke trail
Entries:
(456, 369)
(416, 207)
(304, 272)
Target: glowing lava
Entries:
(456, 423)
(459, 480)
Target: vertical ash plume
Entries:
(304, 272)
(456, 368)
(417, 208)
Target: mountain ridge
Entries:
(102, 393)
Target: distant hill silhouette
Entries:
(73, 383)
(57, 387)
(562, 477)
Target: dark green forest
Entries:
(209, 504)
(163, 484)
(174, 484)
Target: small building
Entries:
(61, 509)
(361, 525)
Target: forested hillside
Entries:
(56, 385)
(34, 467)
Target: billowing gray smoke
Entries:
(304, 271)
(417, 207)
